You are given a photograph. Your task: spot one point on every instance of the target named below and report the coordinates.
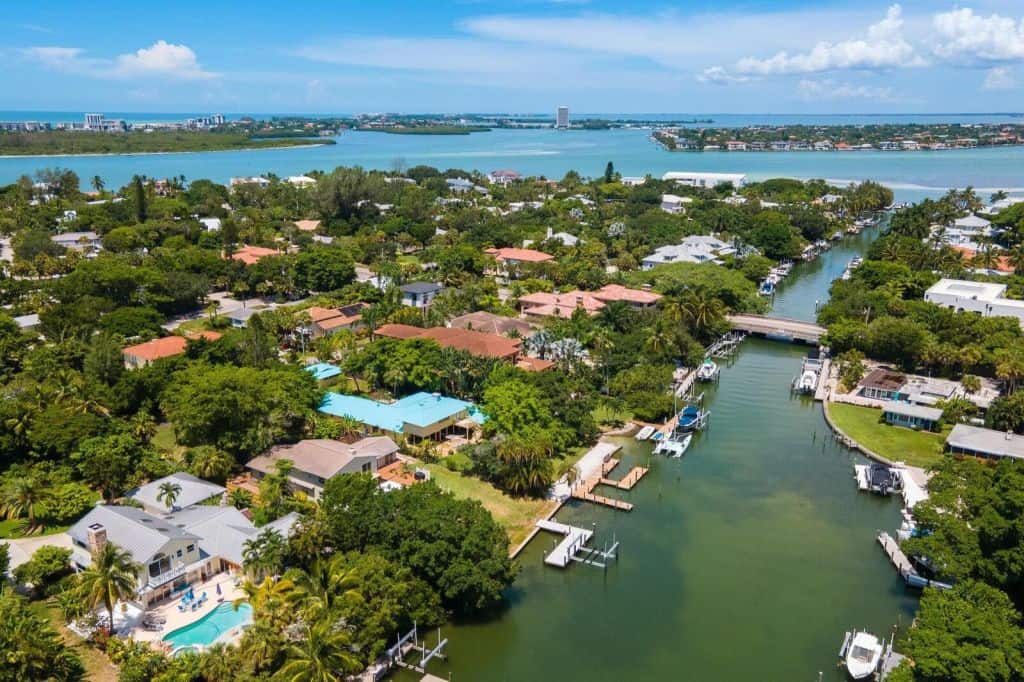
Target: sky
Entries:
(516, 56)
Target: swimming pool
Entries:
(207, 629)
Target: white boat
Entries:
(708, 370)
(645, 433)
(878, 478)
(807, 381)
(863, 653)
(675, 446)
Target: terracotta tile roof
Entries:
(307, 225)
(1002, 262)
(617, 292)
(521, 255)
(396, 473)
(165, 347)
(561, 305)
(483, 321)
(318, 314)
(534, 364)
(399, 331)
(253, 254)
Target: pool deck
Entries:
(176, 619)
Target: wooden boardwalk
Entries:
(798, 330)
(896, 555)
(628, 481)
(585, 491)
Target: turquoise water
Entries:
(552, 153)
(207, 629)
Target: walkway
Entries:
(798, 330)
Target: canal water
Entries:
(747, 559)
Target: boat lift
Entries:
(409, 642)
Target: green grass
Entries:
(608, 413)
(98, 667)
(517, 515)
(916, 448)
(164, 440)
(9, 529)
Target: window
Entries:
(179, 553)
(162, 564)
(190, 549)
(367, 468)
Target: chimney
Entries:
(96, 538)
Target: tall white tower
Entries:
(562, 117)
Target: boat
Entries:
(767, 288)
(837, 235)
(674, 446)
(690, 419)
(810, 371)
(862, 653)
(708, 370)
(645, 433)
(878, 478)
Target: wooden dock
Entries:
(824, 376)
(628, 481)
(585, 491)
(903, 565)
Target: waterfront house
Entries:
(420, 415)
(142, 354)
(327, 321)
(192, 490)
(693, 249)
(174, 550)
(632, 180)
(300, 181)
(976, 441)
(420, 294)
(316, 461)
(478, 343)
(459, 185)
(912, 416)
(502, 177)
(986, 298)
(702, 179)
(239, 318)
(736, 146)
(882, 384)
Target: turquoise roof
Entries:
(323, 370)
(419, 409)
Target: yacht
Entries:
(862, 653)
(878, 478)
(708, 370)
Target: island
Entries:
(68, 142)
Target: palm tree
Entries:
(268, 598)
(168, 493)
(322, 655)
(1016, 258)
(263, 554)
(986, 258)
(97, 183)
(326, 584)
(112, 577)
(22, 497)
(211, 463)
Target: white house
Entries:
(191, 490)
(420, 294)
(301, 181)
(698, 179)
(671, 203)
(693, 249)
(88, 243)
(211, 224)
(985, 298)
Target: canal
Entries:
(745, 560)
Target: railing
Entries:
(167, 576)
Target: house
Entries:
(327, 321)
(321, 371)
(192, 491)
(173, 550)
(979, 442)
(316, 461)
(250, 255)
(528, 364)
(211, 224)
(255, 180)
(478, 343)
(239, 318)
(300, 181)
(700, 179)
(736, 146)
(88, 243)
(670, 203)
(822, 146)
(563, 238)
(632, 180)
(637, 298)
(27, 323)
(490, 323)
(882, 384)
(143, 354)
(307, 225)
(975, 224)
(985, 298)
(502, 177)
(420, 294)
(693, 249)
(912, 416)
(459, 185)
(420, 415)
(510, 259)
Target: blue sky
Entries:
(515, 56)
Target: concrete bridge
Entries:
(777, 327)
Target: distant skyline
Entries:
(794, 57)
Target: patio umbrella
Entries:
(218, 589)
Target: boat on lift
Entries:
(645, 433)
(708, 371)
(767, 287)
(878, 478)
(691, 419)
(810, 373)
(862, 653)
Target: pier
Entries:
(574, 540)
(726, 346)
(903, 565)
(777, 327)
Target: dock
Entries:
(628, 481)
(573, 541)
(821, 392)
(585, 491)
(726, 346)
(777, 327)
(903, 565)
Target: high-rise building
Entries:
(562, 117)
(94, 121)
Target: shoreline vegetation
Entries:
(807, 138)
(82, 143)
(426, 130)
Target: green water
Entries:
(745, 560)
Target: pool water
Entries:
(207, 629)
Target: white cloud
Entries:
(963, 36)
(830, 89)
(161, 59)
(883, 47)
(999, 78)
(717, 75)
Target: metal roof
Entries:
(985, 441)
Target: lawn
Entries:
(97, 666)
(8, 529)
(612, 413)
(517, 515)
(917, 448)
(163, 439)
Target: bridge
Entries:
(777, 327)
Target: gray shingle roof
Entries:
(986, 441)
